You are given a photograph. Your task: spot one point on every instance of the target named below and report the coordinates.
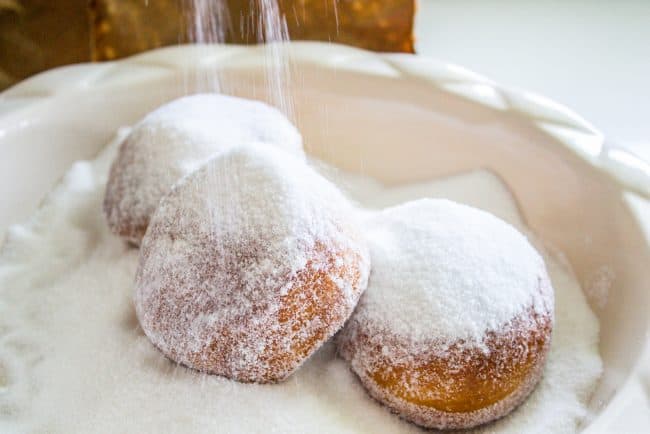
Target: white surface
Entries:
(592, 56)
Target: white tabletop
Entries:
(592, 56)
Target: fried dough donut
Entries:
(456, 323)
(249, 265)
(175, 139)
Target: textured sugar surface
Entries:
(175, 139)
(74, 360)
(448, 271)
(231, 239)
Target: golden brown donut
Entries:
(456, 323)
(175, 139)
(249, 265)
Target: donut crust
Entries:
(451, 385)
(122, 220)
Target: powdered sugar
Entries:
(450, 272)
(227, 248)
(74, 359)
(175, 139)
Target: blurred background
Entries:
(591, 55)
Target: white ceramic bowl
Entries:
(399, 118)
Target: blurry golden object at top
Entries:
(123, 27)
(40, 34)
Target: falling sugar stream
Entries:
(210, 22)
(272, 30)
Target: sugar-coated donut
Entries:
(175, 139)
(249, 264)
(456, 323)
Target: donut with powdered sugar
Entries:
(249, 265)
(175, 139)
(456, 323)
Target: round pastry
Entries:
(249, 265)
(456, 322)
(175, 139)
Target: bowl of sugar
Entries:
(386, 128)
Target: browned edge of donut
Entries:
(481, 395)
(125, 225)
(313, 293)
